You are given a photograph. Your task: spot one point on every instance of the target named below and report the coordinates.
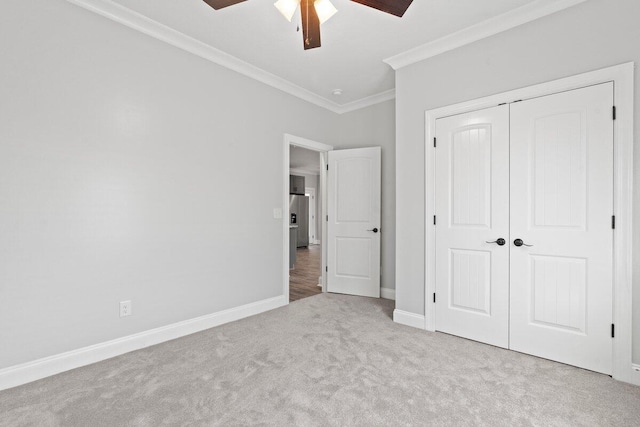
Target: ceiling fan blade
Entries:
(310, 25)
(394, 7)
(219, 4)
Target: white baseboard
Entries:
(634, 378)
(388, 293)
(31, 371)
(408, 319)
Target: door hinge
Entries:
(327, 167)
(613, 330)
(327, 218)
(326, 268)
(434, 143)
(434, 297)
(434, 220)
(613, 222)
(614, 112)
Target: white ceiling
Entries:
(354, 42)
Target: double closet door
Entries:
(524, 239)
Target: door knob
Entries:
(519, 242)
(499, 241)
(375, 230)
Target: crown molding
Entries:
(145, 25)
(367, 102)
(497, 24)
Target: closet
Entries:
(524, 239)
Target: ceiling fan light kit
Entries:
(316, 12)
(325, 10)
(287, 8)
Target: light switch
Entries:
(277, 213)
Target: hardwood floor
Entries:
(303, 279)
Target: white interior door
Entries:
(472, 209)
(562, 205)
(353, 207)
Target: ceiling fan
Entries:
(316, 12)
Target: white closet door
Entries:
(562, 205)
(472, 208)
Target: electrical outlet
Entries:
(125, 308)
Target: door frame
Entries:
(622, 77)
(288, 141)
(311, 191)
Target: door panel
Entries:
(559, 170)
(353, 207)
(558, 294)
(562, 203)
(472, 208)
(471, 280)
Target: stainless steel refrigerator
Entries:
(299, 215)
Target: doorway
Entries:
(306, 197)
(305, 276)
(350, 199)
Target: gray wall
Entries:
(125, 173)
(375, 126)
(590, 36)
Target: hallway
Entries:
(303, 279)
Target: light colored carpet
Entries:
(324, 360)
